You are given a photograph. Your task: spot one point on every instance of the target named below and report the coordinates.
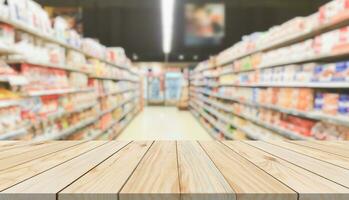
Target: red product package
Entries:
(303, 126)
(50, 104)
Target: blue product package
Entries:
(255, 94)
(341, 68)
(343, 105)
(317, 72)
(319, 101)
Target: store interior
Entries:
(174, 70)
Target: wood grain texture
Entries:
(45, 186)
(32, 152)
(324, 169)
(314, 153)
(106, 180)
(185, 170)
(19, 173)
(247, 180)
(331, 147)
(4, 145)
(308, 185)
(25, 148)
(199, 177)
(156, 176)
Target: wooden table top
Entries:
(100, 170)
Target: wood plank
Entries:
(326, 146)
(107, 179)
(4, 144)
(309, 185)
(327, 170)
(11, 144)
(247, 180)
(19, 173)
(314, 153)
(45, 186)
(30, 147)
(199, 177)
(341, 144)
(37, 152)
(156, 176)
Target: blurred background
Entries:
(174, 69)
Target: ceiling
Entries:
(136, 24)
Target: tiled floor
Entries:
(164, 123)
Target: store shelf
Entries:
(25, 28)
(14, 80)
(98, 134)
(114, 123)
(211, 85)
(119, 92)
(7, 51)
(123, 127)
(114, 79)
(249, 134)
(8, 103)
(210, 131)
(340, 120)
(58, 92)
(284, 132)
(287, 133)
(293, 85)
(46, 65)
(67, 132)
(126, 113)
(297, 37)
(215, 123)
(117, 106)
(12, 134)
(64, 112)
(312, 58)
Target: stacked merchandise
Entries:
(55, 84)
(184, 97)
(291, 80)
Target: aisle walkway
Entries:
(164, 123)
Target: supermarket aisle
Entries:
(164, 123)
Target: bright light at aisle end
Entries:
(167, 9)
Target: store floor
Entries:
(164, 123)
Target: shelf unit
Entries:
(6, 51)
(57, 92)
(8, 103)
(249, 133)
(204, 83)
(85, 123)
(220, 106)
(340, 120)
(123, 127)
(128, 75)
(46, 65)
(113, 124)
(295, 38)
(211, 131)
(23, 27)
(14, 133)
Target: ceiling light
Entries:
(135, 57)
(167, 10)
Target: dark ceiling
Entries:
(136, 24)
